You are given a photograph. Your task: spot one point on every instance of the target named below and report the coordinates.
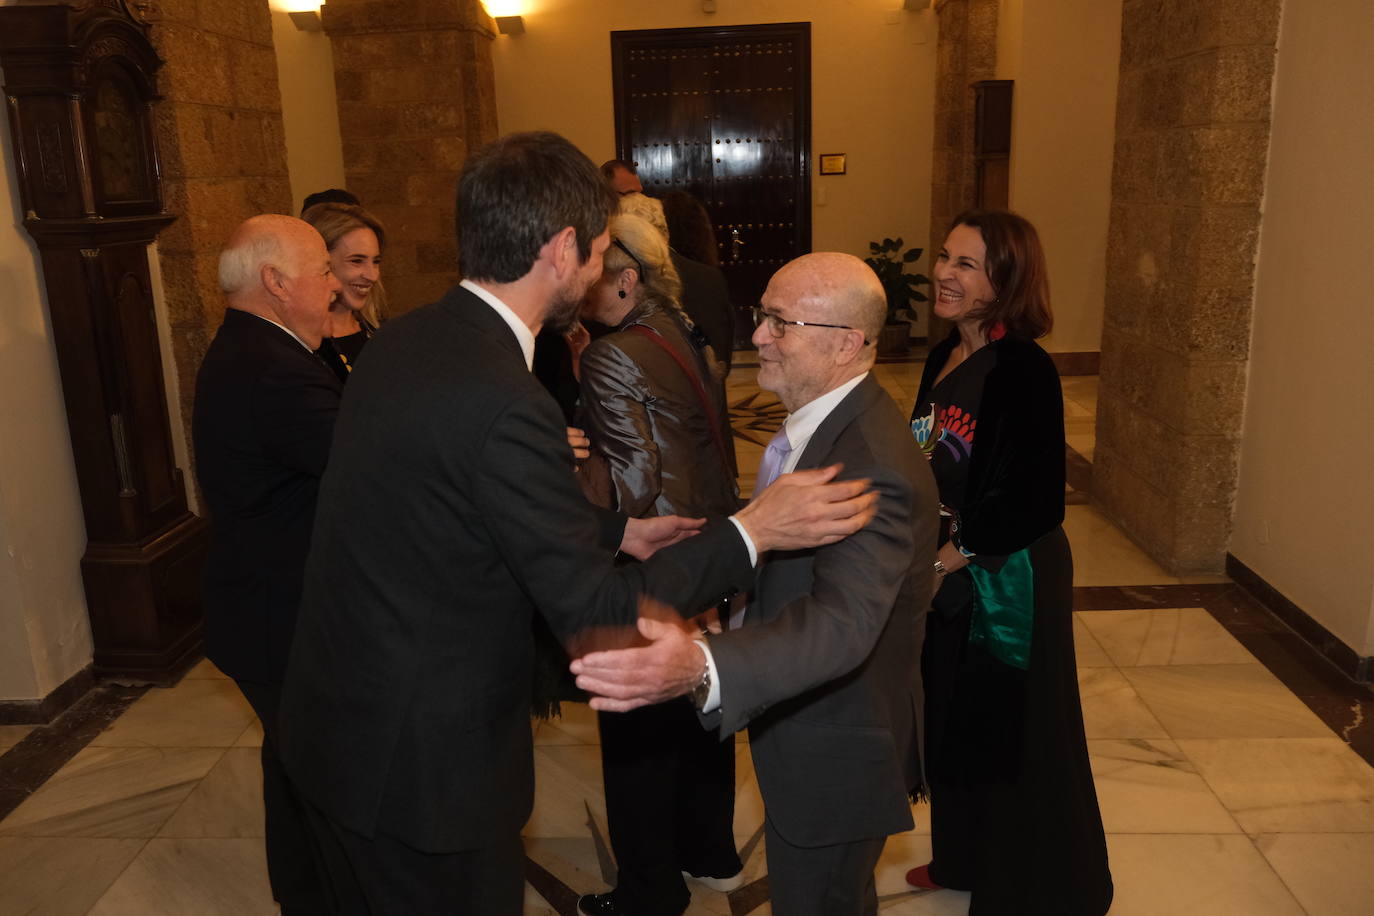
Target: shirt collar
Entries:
(308, 349)
(523, 335)
(802, 424)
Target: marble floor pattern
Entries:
(1223, 794)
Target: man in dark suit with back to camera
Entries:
(825, 666)
(448, 516)
(263, 421)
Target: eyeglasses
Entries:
(631, 255)
(777, 325)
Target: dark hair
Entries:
(609, 167)
(689, 227)
(1015, 265)
(517, 193)
(330, 196)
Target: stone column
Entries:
(1192, 138)
(966, 53)
(417, 92)
(223, 155)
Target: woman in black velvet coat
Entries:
(1014, 815)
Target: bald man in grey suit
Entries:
(825, 669)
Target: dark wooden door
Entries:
(725, 114)
(992, 143)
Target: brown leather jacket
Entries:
(643, 414)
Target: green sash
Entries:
(1004, 609)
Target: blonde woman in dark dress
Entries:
(355, 239)
(1014, 814)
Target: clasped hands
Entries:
(799, 510)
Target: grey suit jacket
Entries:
(825, 670)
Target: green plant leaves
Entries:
(887, 261)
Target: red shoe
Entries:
(919, 878)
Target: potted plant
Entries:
(889, 262)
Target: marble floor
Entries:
(1223, 759)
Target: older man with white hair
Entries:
(824, 668)
(263, 421)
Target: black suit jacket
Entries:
(826, 667)
(262, 424)
(448, 516)
(1015, 486)
(706, 300)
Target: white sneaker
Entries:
(724, 885)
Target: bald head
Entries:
(269, 239)
(841, 287)
(277, 267)
(826, 310)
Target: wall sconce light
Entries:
(307, 20)
(510, 25)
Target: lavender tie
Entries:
(774, 457)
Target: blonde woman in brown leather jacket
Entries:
(653, 408)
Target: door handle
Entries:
(736, 243)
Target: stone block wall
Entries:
(417, 92)
(223, 154)
(966, 53)
(1192, 139)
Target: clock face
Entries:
(118, 142)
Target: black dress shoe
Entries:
(599, 905)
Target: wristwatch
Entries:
(702, 691)
(940, 569)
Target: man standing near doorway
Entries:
(622, 177)
(262, 425)
(825, 668)
(449, 516)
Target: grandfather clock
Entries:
(79, 82)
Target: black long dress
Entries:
(1014, 814)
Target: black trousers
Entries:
(292, 859)
(670, 804)
(383, 876)
(822, 880)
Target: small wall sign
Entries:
(832, 163)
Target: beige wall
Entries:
(1065, 65)
(309, 108)
(872, 77)
(1010, 15)
(45, 636)
(1304, 515)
